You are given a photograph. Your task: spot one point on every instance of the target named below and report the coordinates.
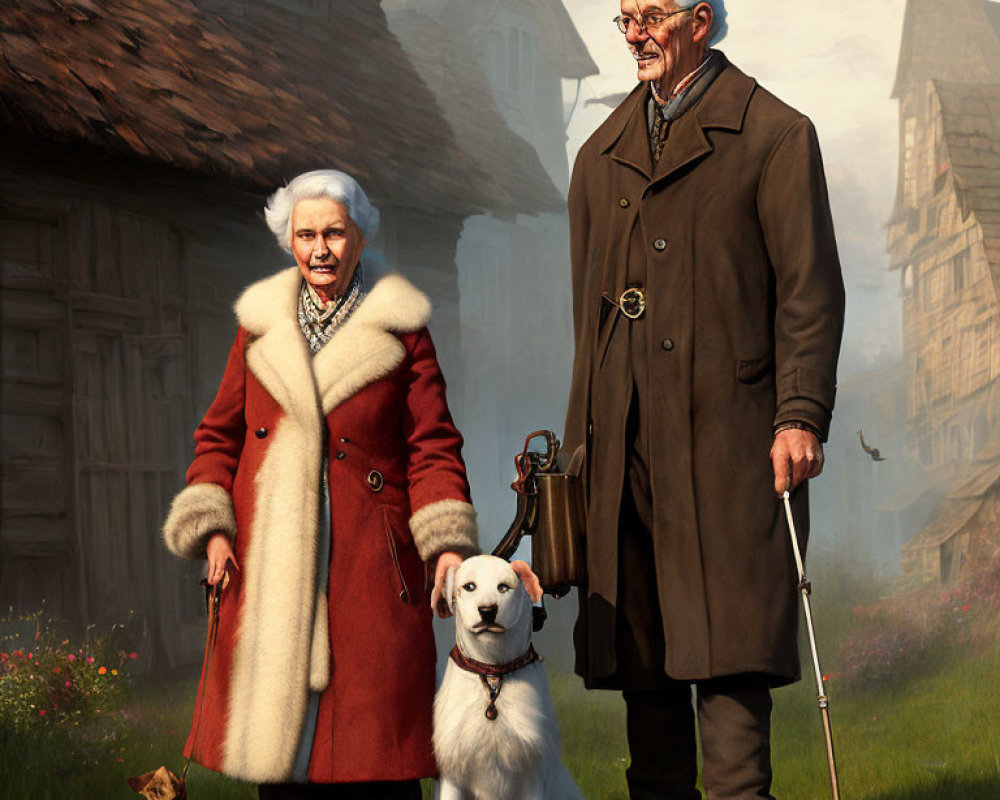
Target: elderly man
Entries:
(708, 307)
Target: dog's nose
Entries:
(488, 613)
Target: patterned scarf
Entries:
(318, 322)
(690, 89)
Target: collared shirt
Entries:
(687, 92)
(319, 320)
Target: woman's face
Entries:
(327, 245)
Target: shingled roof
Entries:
(949, 40)
(164, 81)
(970, 116)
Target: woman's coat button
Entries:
(668, 344)
(260, 433)
(624, 202)
(660, 245)
(375, 481)
(341, 455)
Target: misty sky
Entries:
(835, 62)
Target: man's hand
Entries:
(439, 601)
(796, 456)
(219, 552)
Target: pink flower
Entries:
(68, 684)
(71, 657)
(41, 713)
(90, 659)
(133, 655)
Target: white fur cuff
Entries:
(445, 525)
(195, 514)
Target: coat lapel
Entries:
(627, 139)
(365, 349)
(626, 135)
(362, 351)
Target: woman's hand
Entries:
(219, 552)
(448, 560)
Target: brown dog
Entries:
(160, 784)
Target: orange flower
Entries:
(102, 670)
(114, 672)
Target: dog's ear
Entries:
(528, 579)
(443, 602)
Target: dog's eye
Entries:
(469, 587)
(502, 587)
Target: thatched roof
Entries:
(952, 40)
(970, 115)
(246, 101)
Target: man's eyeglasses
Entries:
(649, 22)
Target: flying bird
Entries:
(872, 451)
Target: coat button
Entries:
(375, 481)
(341, 455)
(260, 433)
(624, 203)
(660, 244)
(667, 344)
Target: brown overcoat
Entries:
(744, 319)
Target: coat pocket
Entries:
(390, 538)
(751, 370)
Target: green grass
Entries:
(932, 735)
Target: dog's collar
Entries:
(494, 670)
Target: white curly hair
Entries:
(330, 183)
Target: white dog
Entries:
(495, 730)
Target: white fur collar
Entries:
(363, 350)
(392, 303)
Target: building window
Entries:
(961, 267)
(909, 169)
(512, 61)
(479, 275)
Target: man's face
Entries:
(327, 245)
(665, 53)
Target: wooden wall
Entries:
(117, 286)
(116, 319)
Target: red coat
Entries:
(374, 399)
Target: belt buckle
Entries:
(632, 302)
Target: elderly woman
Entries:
(327, 473)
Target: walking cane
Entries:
(824, 702)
